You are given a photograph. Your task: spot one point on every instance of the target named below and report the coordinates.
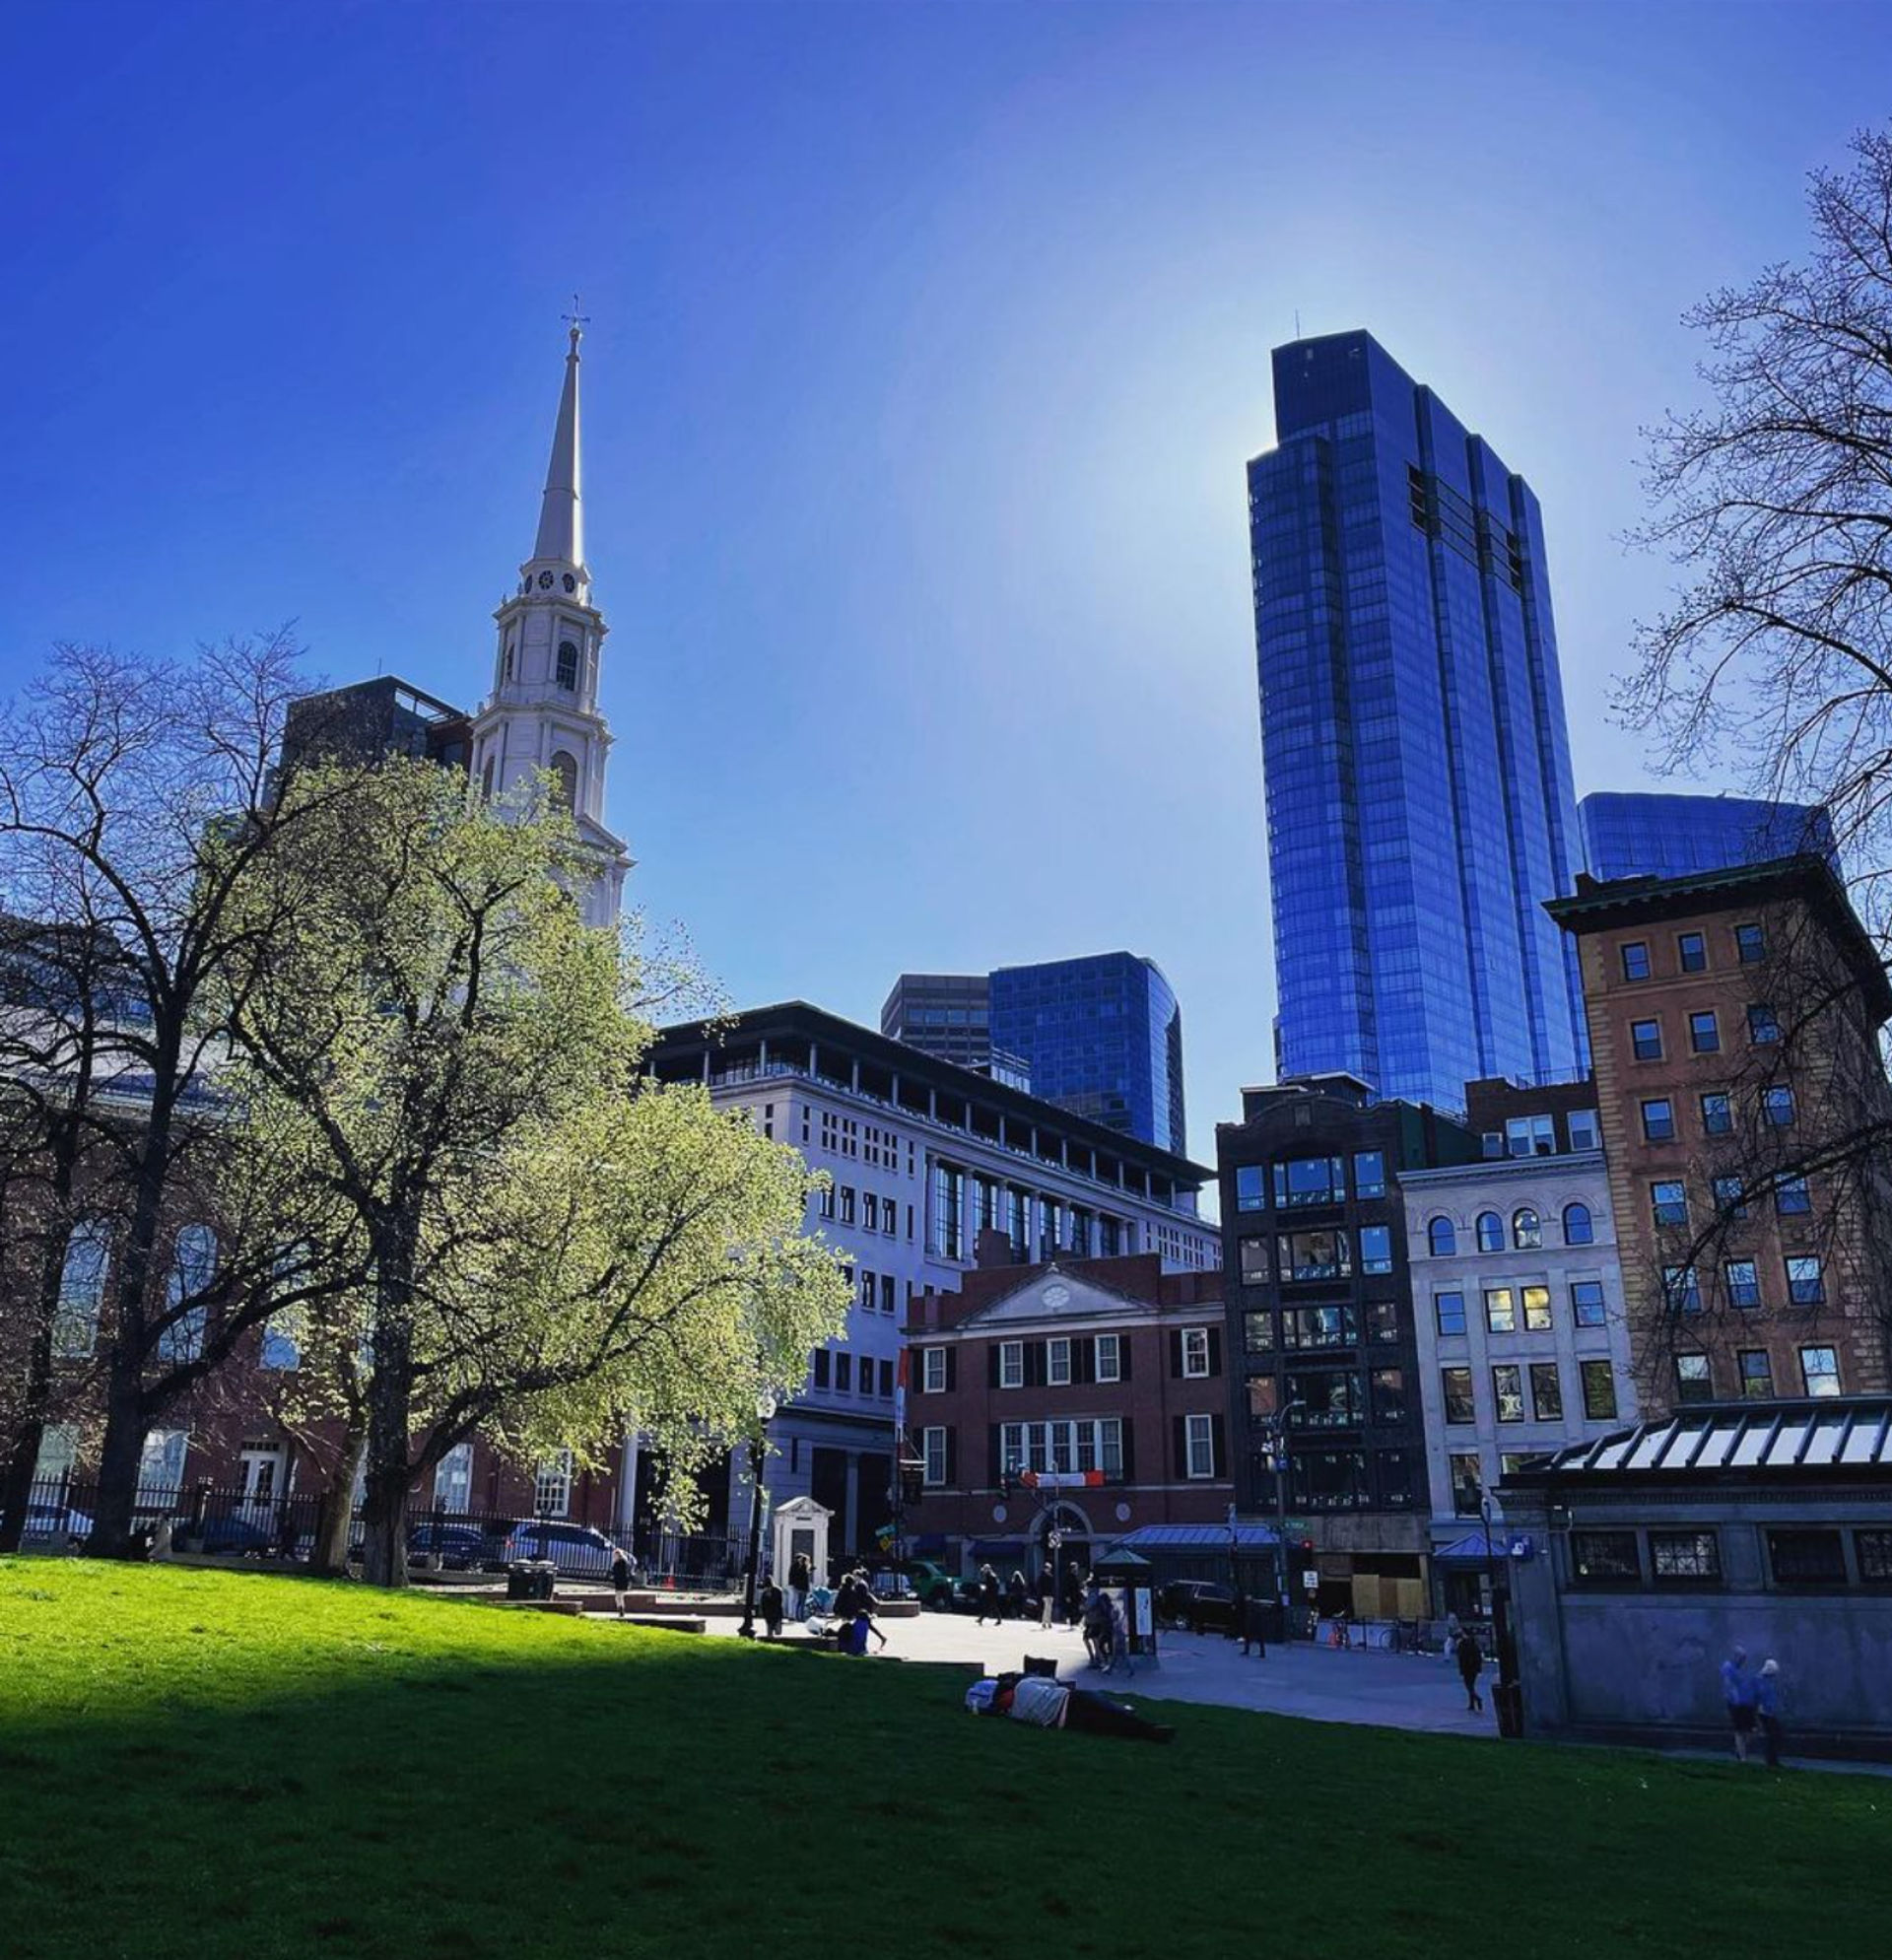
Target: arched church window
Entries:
(568, 665)
(506, 669)
(565, 767)
(486, 779)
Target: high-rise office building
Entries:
(1419, 800)
(948, 1015)
(1101, 1037)
(1645, 835)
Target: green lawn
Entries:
(219, 1763)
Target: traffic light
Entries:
(913, 1478)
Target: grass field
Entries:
(229, 1765)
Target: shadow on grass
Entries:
(257, 1767)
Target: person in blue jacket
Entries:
(1737, 1691)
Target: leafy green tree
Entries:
(557, 1248)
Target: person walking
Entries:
(1737, 1691)
(1454, 1627)
(1096, 1621)
(800, 1577)
(1119, 1635)
(770, 1602)
(620, 1579)
(1017, 1596)
(989, 1601)
(1073, 1595)
(1471, 1663)
(1254, 1625)
(1767, 1705)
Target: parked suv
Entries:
(579, 1551)
(1201, 1605)
(933, 1585)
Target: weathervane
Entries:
(576, 320)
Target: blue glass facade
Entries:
(1103, 1037)
(1419, 798)
(1636, 834)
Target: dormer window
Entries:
(569, 666)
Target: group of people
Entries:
(997, 1601)
(1753, 1699)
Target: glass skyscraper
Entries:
(1647, 835)
(1419, 798)
(1103, 1037)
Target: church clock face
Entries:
(545, 581)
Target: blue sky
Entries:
(927, 347)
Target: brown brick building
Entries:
(1735, 1023)
(1105, 1369)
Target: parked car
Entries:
(579, 1551)
(458, 1547)
(932, 1584)
(1201, 1605)
(229, 1531)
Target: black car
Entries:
(1201, 1605)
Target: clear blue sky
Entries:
(927, 347)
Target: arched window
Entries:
(193, 1267)
(1527, 1230)
(506, 667)
(568, 665)
(81, 1290)
(565, 790)
(1491, 1232)
(1441, 1240)
(486, 779)
(1578, 1228)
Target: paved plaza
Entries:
(1321, 1683)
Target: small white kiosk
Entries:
(800, 1526)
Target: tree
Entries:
(136, 799)
(557, 1248)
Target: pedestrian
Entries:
(1097, 1626)
(1017, 1596)
(1471, 1662)
(1073, 1595)
(1454, 1627)
(988, 1596)
(771, 1602)
(1119, 1635)
(1767, 1703)
(1254, 1626)
(620, 1579)
(800, 1579)
(1737, 1691)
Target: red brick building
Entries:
(1109, 1370)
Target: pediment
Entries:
(1054, 1295)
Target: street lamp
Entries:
(758, 1444)
(1275, 1432)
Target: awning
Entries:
(1473, 1549)
(1197, 1538)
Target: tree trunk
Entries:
(330, 1555)
(15, 1483)
(391, 1395)
(120, 1455)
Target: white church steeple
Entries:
(543, 711)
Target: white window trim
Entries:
(932, 1444)
(1195, 1347)
(1056, 1349)
(1115, 1350)
(1200, 1442)
(932, 1371)
(552, 1485)
(1011, 1364)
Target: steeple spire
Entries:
(561, 539)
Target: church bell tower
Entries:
(542, 713)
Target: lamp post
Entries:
(1500, 1618)
(1275, 1431)
(758, 1444)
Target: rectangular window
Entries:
(1635, 953)
(1704, 1035)
(1604, 1558)
(1600, 1390)
(1806, 1558)
(1718, 1113)
(1110, 1446)
(1585, 1133)
(1586, 1303)
(1011, 1455)
(1501, 1311)
(1508, 1391)
(887, 1293)
(932, 1443)
(1730, 1201)
(1201, 1439)
(1791, 1198)
(1750, 943)
(1668, 1202)
(454, 1479)
(1320, 1326)
(1691, 952)
(281, 1348)
(1389, 1403)
(160, 1465)
(843, 1373)
(1467, 1481)
(1776, 1108)
(1693, 1384)
(1874, 1550)
(1645, 1040)
(1258, 1333)
(1195, 1353)
(552, 1485)
(1685, 1556)
(1250, 1187)
(1757, 1373)
(1535, 1301)
(1546, 1391)
(932, 1371)
(1762, 1026)
(948, 1196)
(870, 1211)
(1375, 1248)
(846, 1204)
(1530, 1137)
(1659, 1120)
(1449, 1309)
(1382, 1320)
(1820, 1371)
(1110, 1366)
(828, 1200)
(1682, 1290)
(1368, 1173)
(82, 1292)
(1011, 1364)
(1330, 1398)
(1309, 1255)
(1456, 1383)
(822, 1359)
(1744, 1279)
(1057, 1361)
(1253, 1251)
(1806, 1285)
(1309, 1181)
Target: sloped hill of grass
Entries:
(215, 1764)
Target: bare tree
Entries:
(136, 801)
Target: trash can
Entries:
(1510, 1699)
(544, 1572)
(518, 1580)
